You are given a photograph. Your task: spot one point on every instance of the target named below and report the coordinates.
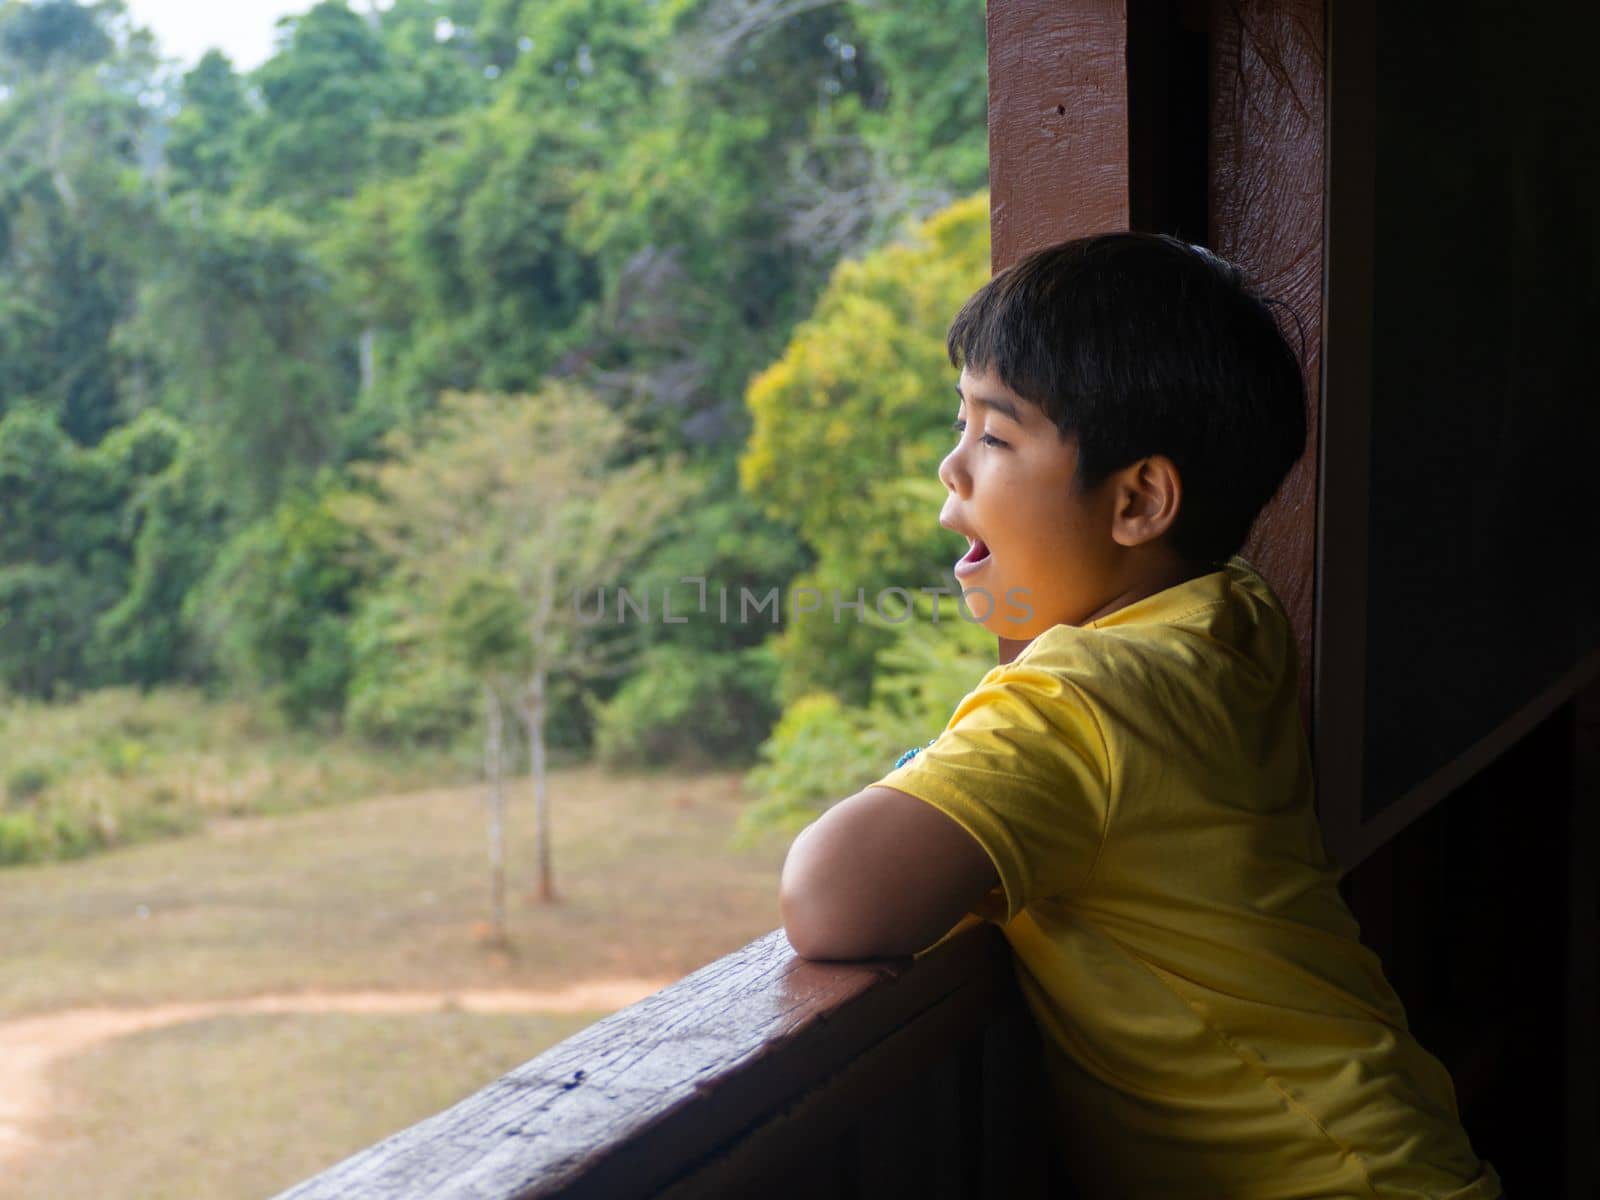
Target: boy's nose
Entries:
(953, 473)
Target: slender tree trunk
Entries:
(533, 715)
(494, 761)
(367, 349)
(56, 123)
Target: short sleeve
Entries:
(1023, 768)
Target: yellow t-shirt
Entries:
(1213, 1026)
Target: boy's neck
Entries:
(1009, 648)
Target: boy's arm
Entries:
(880, 875)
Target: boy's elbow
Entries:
(811, 920)
(814, 936)
(820, 933)
(803, 938)
(807, 931)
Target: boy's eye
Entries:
(988, 439)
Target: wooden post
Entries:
(1058, 123)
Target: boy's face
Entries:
(1035, 543)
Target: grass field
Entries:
(118, 766)
(386, 894)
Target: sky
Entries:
(242, 29)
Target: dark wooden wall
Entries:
(1484, 913)
(1457, 600)
(1457, 613)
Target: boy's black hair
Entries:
(1141, 344)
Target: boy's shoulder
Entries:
(1218, 632)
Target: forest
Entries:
(342, 383)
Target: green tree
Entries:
(94, 537)
(710, 220)
(55, 35)
(510, 289)
(372, 283)
(405, 686)
(706, 692)
(255, 351)
(498, 515)
(325, 95)
(173, 521)
(275, 607)
(931, 126)
(504, 292)
(439, 68)
(71, 127)
(205, 142)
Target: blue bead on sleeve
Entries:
(912, 753)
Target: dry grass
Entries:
(247, 1106)
(381, 894)
(389, 893)
(118, 766)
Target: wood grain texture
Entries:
(1058, 123)
(1266, 214)
(673, 1086)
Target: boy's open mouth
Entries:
(977, 554)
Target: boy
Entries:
(1129, 792)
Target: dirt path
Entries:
(29, 1047)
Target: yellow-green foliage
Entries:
(848, 430)
(849, 425)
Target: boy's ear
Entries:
(1148, 494)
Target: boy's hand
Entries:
(880, 875)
